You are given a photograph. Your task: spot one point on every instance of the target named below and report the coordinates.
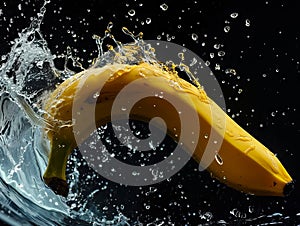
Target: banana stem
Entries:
(55, 174)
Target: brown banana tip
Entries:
(58, 185)
(288, 188)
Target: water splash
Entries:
(28, 74)
(131, 53)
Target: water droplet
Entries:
(131, 12)
(251, 209)
(164, 6)
(230, 71)
(264, 75)
(123, 108)
(39, 64)
(194, 37)
(247, 23)
(96, 95)
(227, 29)
(217, 46)
(161, 95)
(154, 173)
(168, 37)
(194, 61)
(134, 173)
(161, 175)
(206, 216)
(218, 159)
(148, 20)
(180, 56)
(110, 25)
(221, 53)
(238, 214)
(234, 15)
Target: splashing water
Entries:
(25, 77)
(28, 74)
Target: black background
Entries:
(265, 56)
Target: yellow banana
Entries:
(241, 162)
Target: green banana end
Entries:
(58, 185)
(55, 174)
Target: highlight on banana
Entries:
(241, 161)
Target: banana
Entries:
(241, 162)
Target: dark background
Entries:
(265, 56)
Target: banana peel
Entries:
(241, 161)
